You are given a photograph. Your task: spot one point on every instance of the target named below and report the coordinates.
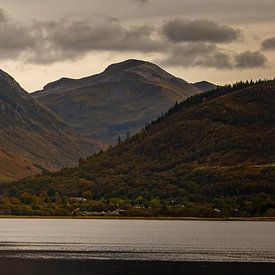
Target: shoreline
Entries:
(248, 219)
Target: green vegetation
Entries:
(209, 156)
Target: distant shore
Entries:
(263, 219)
(64, 267)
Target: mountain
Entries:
(205, 86)
(123, 98)
(211, 155)
(13, 167)
(32, 135)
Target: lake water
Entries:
(214, 241)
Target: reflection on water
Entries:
(138, 240)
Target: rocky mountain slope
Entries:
(123, 98)
(32, 134)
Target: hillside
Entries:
(212, 155)
(31, 134)
(13, 167)
(123, 98)
(205, 86)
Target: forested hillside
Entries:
(212, 155)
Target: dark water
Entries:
(109, 240)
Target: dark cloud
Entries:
(250, 60)
(269, 44)
(199, 54)
(14, 37)
(209, 55)
(179, 30)
(189, 43)
(52, 41)
(69, 40)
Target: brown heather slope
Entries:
(123, 98)
(13, 167)
(234, 129)
(31, 131)
(216, 146)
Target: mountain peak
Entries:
(144, 70)
(205, 86)
(64, 81)
(125, 65)
(122, 98)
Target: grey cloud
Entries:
(199, 54)
(109, 36)
(249, 60)
(69, 40)
(14, 37)
(179, 30)
(210, 56)
(269, 44)
(52, 41)
(47, 42)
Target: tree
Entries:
(118, 140)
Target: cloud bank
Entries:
(209, 55)
(178, 42)
(14, 37)
(179, 30)
(70, 40)
(198, 54)
(247, 60)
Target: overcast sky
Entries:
(220, 41)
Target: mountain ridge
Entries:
(205, 86)
(124, 97)
(30, 131)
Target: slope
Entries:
(13, 167)
(123, 98)
(205, 86)
(29, 130)
(211, 155)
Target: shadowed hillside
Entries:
(123, 98)
(205, 86)
(29, 131)
(211, 155)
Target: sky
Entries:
(220, 41)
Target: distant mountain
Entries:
(205, 86)
(31, 134)
(123, 98)
(213, 153)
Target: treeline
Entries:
(200, 193)
(206, 96)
